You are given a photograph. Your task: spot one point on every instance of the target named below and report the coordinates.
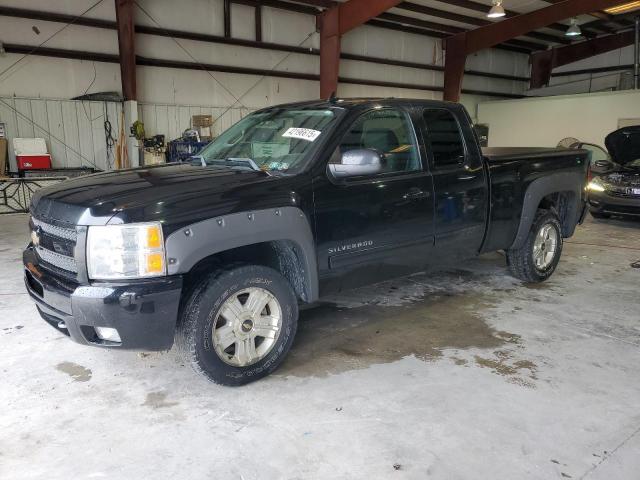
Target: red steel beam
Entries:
(542, 63)
(335, 22)
(126, 47)
(466, 43)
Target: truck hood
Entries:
(163, 193)
(624, 144)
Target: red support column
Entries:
(329, 51)
(541, 66)
(126, 45)
(542, 63)
(454, 62)
(333, 23)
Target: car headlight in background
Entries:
(134, 250)
(595, 185)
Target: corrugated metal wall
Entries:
(172, 120)
(75, 130)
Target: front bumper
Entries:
(144, 312)
(602, 202)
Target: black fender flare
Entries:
(566, 182)
(190, 244)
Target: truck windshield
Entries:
(279, 140)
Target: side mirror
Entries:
(356, 163)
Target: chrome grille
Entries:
(621, 192)
(57, 260)
(55, 245)
(60, 232)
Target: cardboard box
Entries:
(153, 158)
(198, 121)
(205, 134)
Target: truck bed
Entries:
(503, 154)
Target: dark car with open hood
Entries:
(292, 203)
(615, 186)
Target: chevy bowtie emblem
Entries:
(35, 237)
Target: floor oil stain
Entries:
(503, 364)
(157, 400)
(332, 339)
(77, 372)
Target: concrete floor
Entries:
(463, 375)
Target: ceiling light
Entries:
(625, 7)
(497, 10)
(574, 28)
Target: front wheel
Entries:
(538, 258)
(238, 324)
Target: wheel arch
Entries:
(280, 238)
(561, 191)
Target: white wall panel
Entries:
(169, 97)
(201, 16)
(69, 78)
(104, 10)
(279, 26)
(545, 121)
(74, 131)
(172, 120)
(243, 22)
(56, 78)
(20, 31)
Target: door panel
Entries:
(376, 227)
(365, 231)
(461, 194)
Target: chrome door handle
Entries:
(415, 194)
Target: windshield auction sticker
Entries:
(307, 134)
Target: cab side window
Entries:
(444, 138)
(390, 133)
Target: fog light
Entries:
(108, 334)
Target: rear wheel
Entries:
(538, 258)
(238, 325)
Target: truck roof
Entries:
(360, 102)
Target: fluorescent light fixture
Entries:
(624, 8)
(497, 10)
(574, 29)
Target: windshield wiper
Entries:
(245, 163)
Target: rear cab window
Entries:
(444, 138)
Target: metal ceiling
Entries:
(444, 18)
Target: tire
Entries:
(596, 214)
(219, 295)
(521, 260)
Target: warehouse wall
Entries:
(545, 121)
(73, 130)
(163, 89)
(596, 82)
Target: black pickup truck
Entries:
(291, 203)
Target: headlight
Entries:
(134, 250)
(595, 185)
